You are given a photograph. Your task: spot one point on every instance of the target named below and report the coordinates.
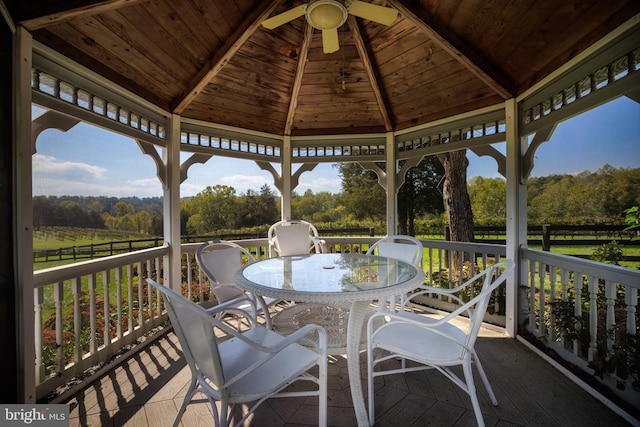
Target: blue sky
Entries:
(92, 162)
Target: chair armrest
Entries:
(301, 337)
(433, 325)
(407, 317)
(229, 306)
(320, 242)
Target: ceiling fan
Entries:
(329, 15)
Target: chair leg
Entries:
(370, 385)
(322, 392)
(185, 402)
(485, 380)
(471, 389)
(224, 413)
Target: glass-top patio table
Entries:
(333, 280)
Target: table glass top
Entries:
(329, 273)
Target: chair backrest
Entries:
(194, 328)
(405, 248)
(293, 237)
(476, 308)
(220, 260)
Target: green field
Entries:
(61, 237)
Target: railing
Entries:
(88, 312)
(586, 312)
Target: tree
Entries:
(420, 194)
(361, 194)
(212, 209)
(456, 201)
(488, 200)
(259, 209)
(455, 196)
(143, 221)
(305, 206)
(123, 208)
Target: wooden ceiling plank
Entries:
(371, 73)
(60, 17)
(226, 52)
(494, 78)
(166, 40)
(93, 31)
(142, 42)
(297, 80)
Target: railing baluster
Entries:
(631, 300)
(119, 302)
(189, 275)
(77, 318)
(40, 367)
(610, 295)
(532, 295)
(130, 318)
(593, 317)
(58, 297)
(140, 295)
(92, 313)
(577, 309)
(553, 277)
(564, 282)
(106, 281)
(542, 329)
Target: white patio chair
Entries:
(402, 247)
(294, 237)
(244, 367)
(219, 260)
(436, 342)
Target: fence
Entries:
(99, 250)
(545, 236)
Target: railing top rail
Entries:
(69, 271)
(466, 246)
(615, 273)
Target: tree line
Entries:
(600, 197)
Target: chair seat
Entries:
(237, 356)
(420, 344)
(228, 291)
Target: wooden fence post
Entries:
(546, 237)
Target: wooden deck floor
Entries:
(147, 389)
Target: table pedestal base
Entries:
(333, 318)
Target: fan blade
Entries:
(284, 17)
(380, 14)
(330, 40)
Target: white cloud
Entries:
(61, 187)
(49, 166)
(53, 177)
(332, 185)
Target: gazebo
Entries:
(205, 78)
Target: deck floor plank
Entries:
(149, 387)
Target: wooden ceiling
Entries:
(211, 60)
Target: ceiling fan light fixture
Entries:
(326, 14)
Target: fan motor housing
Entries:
(326, 14)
